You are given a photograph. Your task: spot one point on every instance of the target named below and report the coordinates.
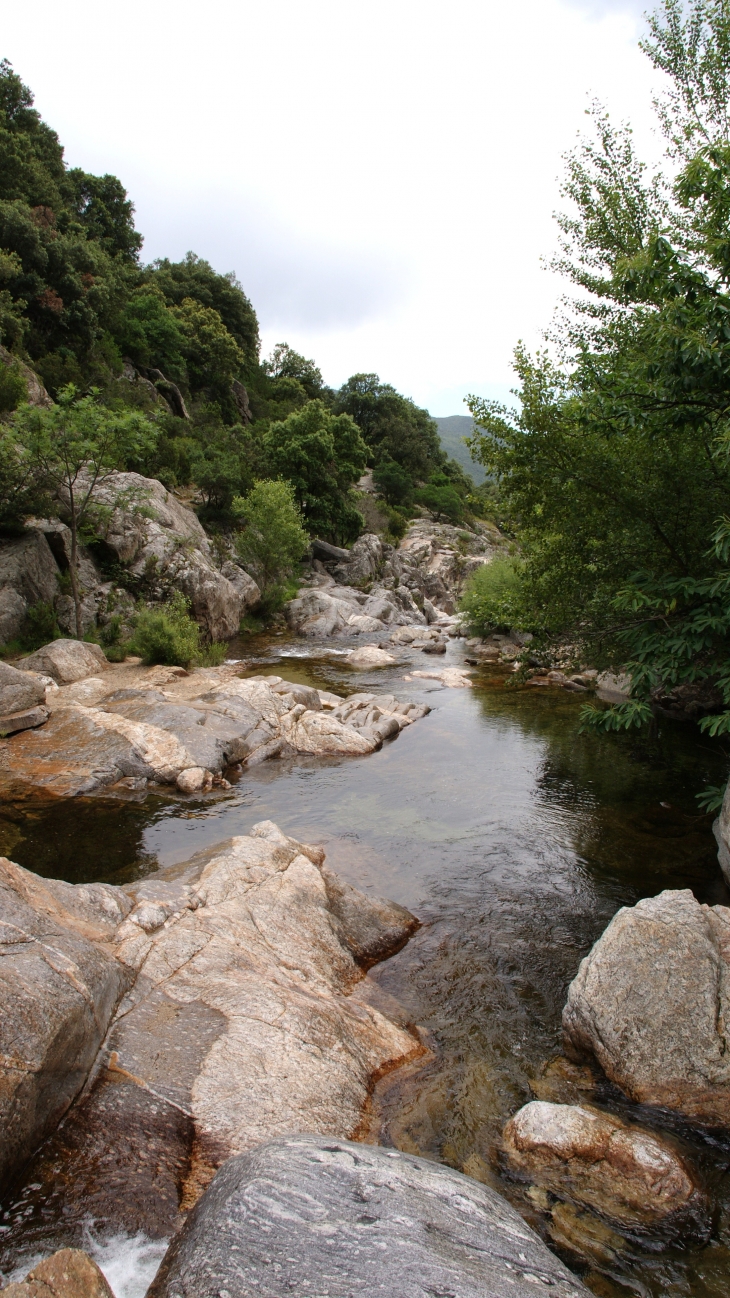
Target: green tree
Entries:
(285, 363)
(393, 483)
(273, 540)
(614, 467)
(441, 498)
(74, 448)
(394, 428)
(322, 455)
(195, 278)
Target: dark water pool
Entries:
(514, 838)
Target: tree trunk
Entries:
(75, 574)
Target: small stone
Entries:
(196, 779)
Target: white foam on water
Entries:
(129, 1262)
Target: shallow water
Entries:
(514, 839)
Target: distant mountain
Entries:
(451, 430)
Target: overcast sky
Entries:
(380, 174)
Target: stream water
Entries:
(515, 839)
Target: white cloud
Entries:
(381, 174)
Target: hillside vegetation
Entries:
(177, 345)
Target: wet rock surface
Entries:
(627, 1175)
(59, 986)
(69, 1273)
(245, 1015)
(651, 1003)
(315, 1215)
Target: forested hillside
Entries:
(177, 344)
(452, 431)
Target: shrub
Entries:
(13, 387)
(273, 540)
(492, 597)
(168, 634)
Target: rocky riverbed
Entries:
(226, 986)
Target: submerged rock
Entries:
(651, 1003)
(369, 656)
(625, 1174)
(59, 986)
(315, 1215)
(69, 1273)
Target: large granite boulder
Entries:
(313, 1215)
(69, 1273)
(28, 576)
(363, 562)
(59, 986)
(19, 690)
(248, 1014)
(66, 661)
(22, 700)
(159, 539)
(627, 1175)
(651, 1003)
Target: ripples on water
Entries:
(514, 839)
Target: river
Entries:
(514, 839)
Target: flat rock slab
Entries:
(247, 1015)
(312, 1215)
(98, 735)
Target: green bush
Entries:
(273, 540)
(168, 635)
(13, 387)
(492, 598)
(397, 526)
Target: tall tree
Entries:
(74, 449)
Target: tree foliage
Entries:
(615, 467)
(322, 455)
(71, 451)
(273, 539)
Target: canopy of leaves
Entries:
(393, 427)
(322, 455)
